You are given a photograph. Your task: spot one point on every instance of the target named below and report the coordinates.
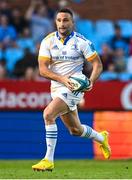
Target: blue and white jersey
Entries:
(66, 56)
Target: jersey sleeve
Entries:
(89, 51)
(44, 51)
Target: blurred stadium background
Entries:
(23, 93)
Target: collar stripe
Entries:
(67, 38)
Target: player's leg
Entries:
(52, 111)
(72, 122)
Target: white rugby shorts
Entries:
(70, 98)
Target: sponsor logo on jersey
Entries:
(72, 102)
(64, 52)
(74, 47)
(55, 47)
(65, 95)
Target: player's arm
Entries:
(97, 69)
(87, 68)
(44, 63)
(92, 57)
(47, 73)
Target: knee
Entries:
(47, 115)
(75, 131)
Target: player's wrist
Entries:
(91, 81)
(60, 79)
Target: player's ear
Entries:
(55, 18)
(73, 23)
(55, 23)
(74, 27)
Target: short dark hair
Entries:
(65, 10)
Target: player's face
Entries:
(64, 23)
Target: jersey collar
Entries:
(67, 38)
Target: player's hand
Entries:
(67, 82)
(89, 88)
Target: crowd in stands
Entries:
(20, 37)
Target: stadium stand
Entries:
(20, 36)
(126, 27)
(104, 29)
(82, 25)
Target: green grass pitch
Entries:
(68, 169)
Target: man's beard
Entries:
(65, 33)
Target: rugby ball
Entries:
(80, 82)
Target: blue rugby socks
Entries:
(91, 133)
